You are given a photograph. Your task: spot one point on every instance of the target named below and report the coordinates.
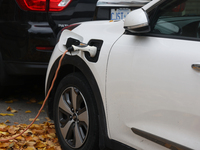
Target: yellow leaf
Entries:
(30, 148)
(20, 138)
(2, 126)
(7, 121)
(11, 101)
(2, 145)
(48, 119)
(28, 111)
(40, 144)
(29, 138)
(2, 114)
(9, 108)
(13, 111)
(5, 114)
(41, 102)
(31, 119)
(4, 133)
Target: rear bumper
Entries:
(25, 68)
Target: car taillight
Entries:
(58, 5)
(41, 5)
(33, 5)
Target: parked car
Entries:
(116, 9)
(28, 33)
(141, 88)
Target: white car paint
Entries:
(145, 89)
(146, 83)
(110, 31)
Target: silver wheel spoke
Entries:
(78, 138)
(65, 129)
(63, 105)
(84, 117)
(74, 98)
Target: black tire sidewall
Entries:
(78, 81)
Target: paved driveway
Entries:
(26, 100)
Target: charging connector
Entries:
(92, 50)
(76, 45)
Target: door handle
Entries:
(196, 67)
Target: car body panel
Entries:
(150, 97)
(109, 31)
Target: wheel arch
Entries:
(69, 65)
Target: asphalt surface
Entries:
(26, 100)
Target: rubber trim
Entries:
(158, 140)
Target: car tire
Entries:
(75, 114)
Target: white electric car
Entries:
(135, 85)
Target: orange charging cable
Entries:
(47, 96)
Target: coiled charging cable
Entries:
(47, 96)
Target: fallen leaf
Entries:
(11, 130)
(48, 119)
(29, 138)
(28, 111)
(5, 114)
(4, 145)
(13, 111)
(31, 119)
(40, 144)
(4, 133)
(30, 143)
(7, 121)
(30, 148)
(11, 101)
(57, 148)
(11, 145)
(2, 114)
(9, 108)
(41, 102)
(37, 137)
(16, 122)
(33, 100)
(50, 143)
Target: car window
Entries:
(179, 19)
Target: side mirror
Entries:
(137, 21)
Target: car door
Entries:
(153, 83)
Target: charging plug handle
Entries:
(92, 50)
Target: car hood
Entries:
(122, 3)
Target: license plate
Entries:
(118, 14)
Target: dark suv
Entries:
(28, 33)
